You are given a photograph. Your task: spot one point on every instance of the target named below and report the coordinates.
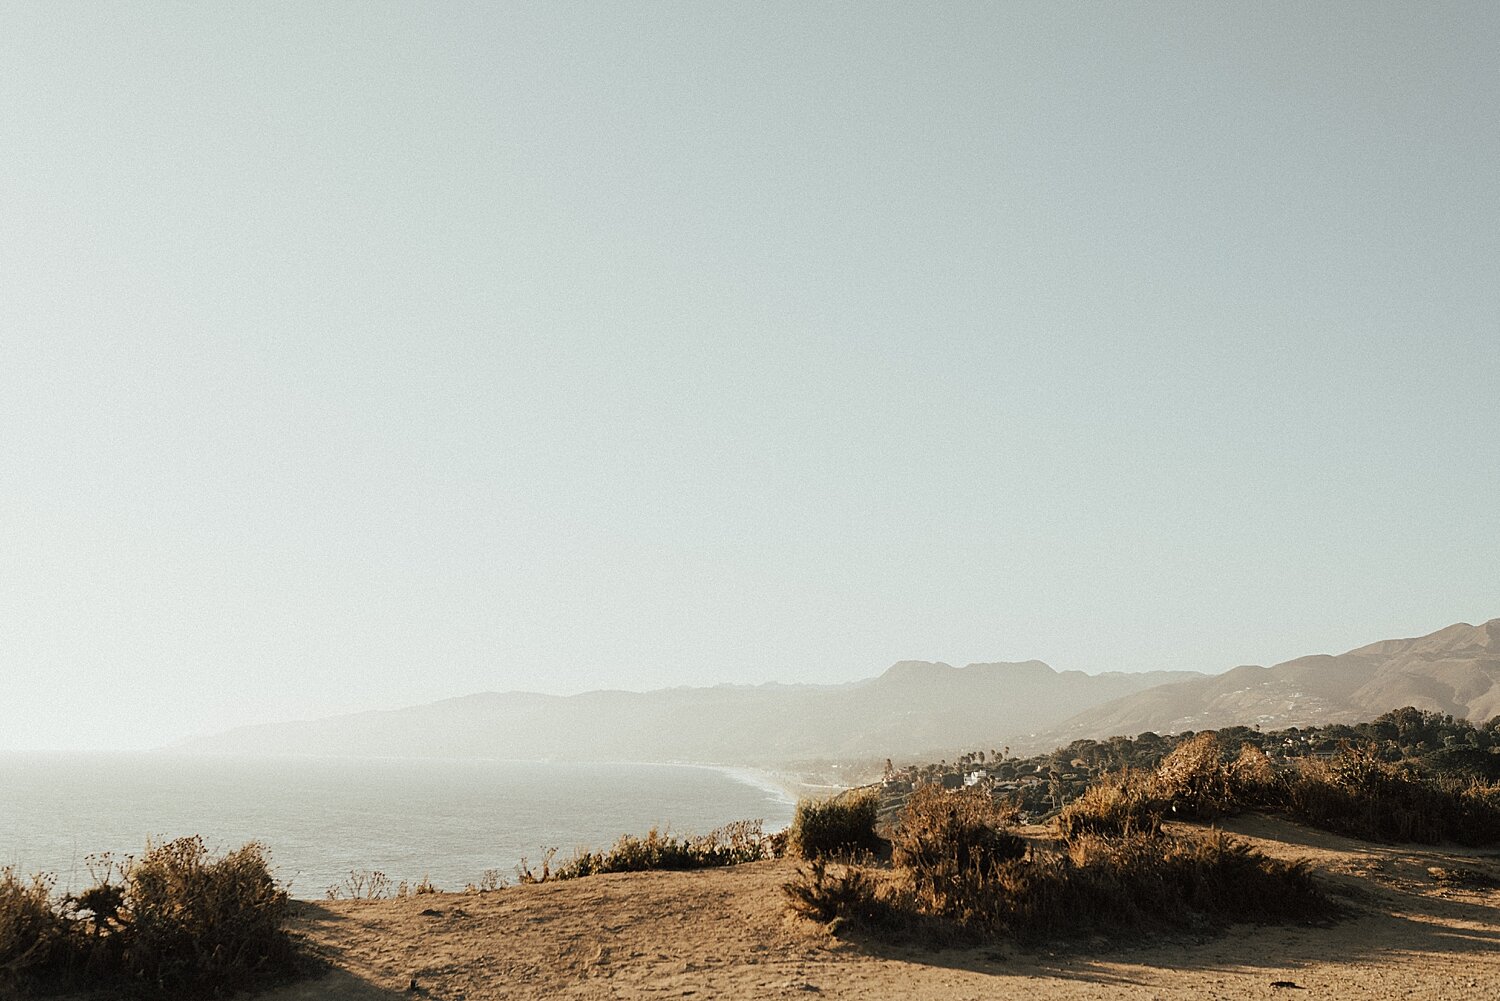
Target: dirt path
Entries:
(725, 934)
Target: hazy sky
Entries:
(353, 356)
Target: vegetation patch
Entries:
(957, 872)
(1242, 767)
(732, 844)
(175, 922)
(1362, 796)
(1115, 806)
(34, 936)
(842, 826)
(1355, 792)
(952, 846)
(957, 867)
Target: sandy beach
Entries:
(725, 934)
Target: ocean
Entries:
(445, 820)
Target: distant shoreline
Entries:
(786, 786)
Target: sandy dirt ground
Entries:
(726, 934)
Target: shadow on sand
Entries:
(1240, 949)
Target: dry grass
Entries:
(1194, 781)
(33, 935)
(1118, 805)
(732, 844)
(1362, 796)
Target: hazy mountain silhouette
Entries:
(1454, 670)
(913, 708)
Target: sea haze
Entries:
(321, 817)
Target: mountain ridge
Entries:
(1454, 670)
(913, 707)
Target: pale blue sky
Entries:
(353, 356)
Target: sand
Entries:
(726, 934)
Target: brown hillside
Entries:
(1455, 670)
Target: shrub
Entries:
(1097, 885)
(955, 865)
(33, 936)
(950, 846)
(1254, 782)
(1117, 805)
(491, 880)
(202, 925)
(405, 889)
(1357, 793)
(851, 895)
(841, 825)
(1193, 781)
(1360, 795)
(731, 844)
(366, 884)
(177, 923)
(1225, 880)
(1479, 812)
(1142, 883)
(526, 875)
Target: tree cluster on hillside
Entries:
(1425, 743)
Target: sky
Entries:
(359, 355)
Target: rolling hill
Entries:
(1455, 670)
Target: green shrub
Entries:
(843, 825)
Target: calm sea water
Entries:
(322, 817)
